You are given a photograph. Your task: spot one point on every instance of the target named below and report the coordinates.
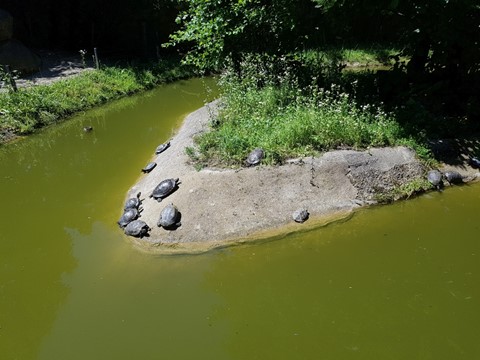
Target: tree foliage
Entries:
(437, 33)
(220, 29)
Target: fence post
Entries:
(97, 65)
(13, 84)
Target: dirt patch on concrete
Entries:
(221, 207)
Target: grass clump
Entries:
(405, 191)
(27, 109)
(303, 103)
(286, 125)
(371, 55)
(271, 106)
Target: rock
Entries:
(19, 57)
(6, 25)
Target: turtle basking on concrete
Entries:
(149, 167)
(137, 228)
(300, 215)
(133, 203)
(255, 157)
(169, 217)
(162, 147)
(474, 162)
(453, 177)
(434, 177)
(128, 216)
(164, 188)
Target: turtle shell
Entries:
(453, 177)
(128, 216)
(474, 162)
(161, 148)
(164, 188)
(133, 203)
(149, 167)
(300, 215)
(435, 178)
(137, 228)
(255, 157)
(169, 217)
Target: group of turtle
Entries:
(169, 216)
(435, 177)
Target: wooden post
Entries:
(97, 65)
(13, 84)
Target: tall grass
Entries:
(279, 112)
(287, 125)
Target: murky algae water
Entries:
(393, 282)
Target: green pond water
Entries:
(392, 282)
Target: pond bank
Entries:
(221, 207)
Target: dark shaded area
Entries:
(434, 93)
(118, 27)
(456, 151)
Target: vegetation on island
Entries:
(287, 87)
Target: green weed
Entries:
(405, 191)
(286, 123)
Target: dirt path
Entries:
(224, 207)
(55, 66)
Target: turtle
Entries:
(434, 177)
(300, 215)
(128, 216)
(453, 177)
(162, 147)
(164, 188)
(149, 167)
(169, 217)
(474, 162)
(137, 228)
(255, 157)
(133, 203)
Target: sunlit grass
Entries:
(23, 111)
(286, 124)
(371, 56)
